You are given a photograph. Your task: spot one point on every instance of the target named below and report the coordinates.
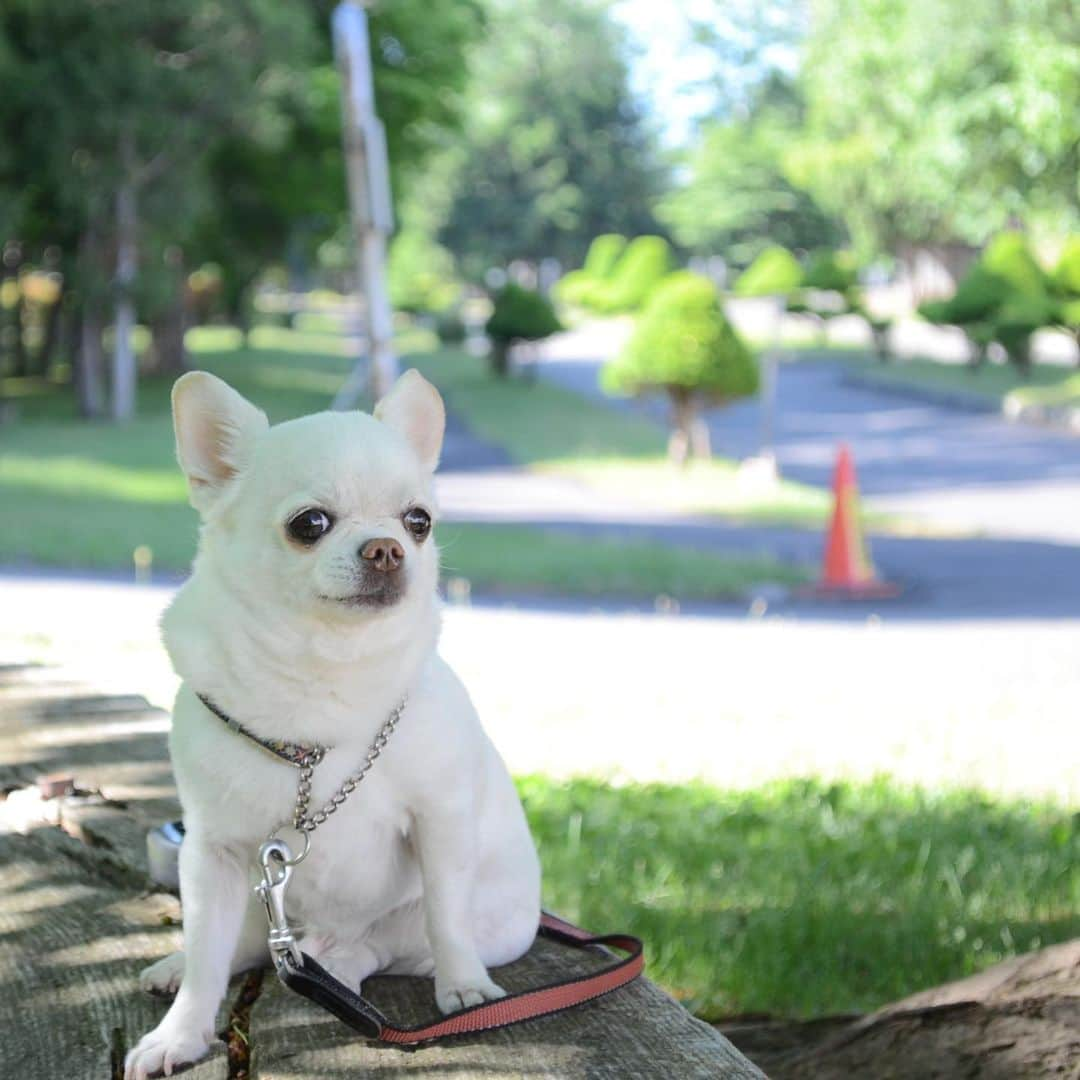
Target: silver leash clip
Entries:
(276, 860)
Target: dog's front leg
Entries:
(213, 891)
(446, 845)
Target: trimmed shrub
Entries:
(1004, 297)
(518, 314)
(775, 272)
(601, 259)
(1065, 286)
(603, 255)
(450, 327)
(831, 271)
(644, 264)
(685, 347)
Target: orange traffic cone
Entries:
(847, 570)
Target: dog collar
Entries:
(294, 753)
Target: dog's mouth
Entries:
(381, 597)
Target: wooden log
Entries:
(79, 919)
(637, 1031)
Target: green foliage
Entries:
(831, 271)
(450, 327)
(555, 149)
(775, 272)
(603, 254)
(600, 261)
(1004, 297)
(739, 196)
(646, 261)
(225, 117)
(521, 314)
(684, 342)
(1065, 285)
(932, 123)
(421, 273)
(1066, 276)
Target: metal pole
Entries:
(368, 175)
(769, 372)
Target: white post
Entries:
(766, 457)
(368, 174)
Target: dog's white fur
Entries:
(429, 867)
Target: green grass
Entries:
(548, 427)
(1062, 394)
(992, 382)
(526, 559)
(86, 495)
(804, 899)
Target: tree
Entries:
(142, 139)
(110, 108)
(685, 347)
(518, 314)
(555, 150)
(282, 186)
(1004, 297)
(738, 198)
(935, 124)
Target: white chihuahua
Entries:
(310, 615)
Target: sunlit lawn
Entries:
(86, 495)
(802, 898)
(992, 381)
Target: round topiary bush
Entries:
(775, 272)
(518, 314)
(450, 327)
(645, 263)
(685, 347)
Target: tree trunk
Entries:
(689, 432)
(89, 361)
(54, 322)
(500, 357)
(123, 361)
(168, 326)
(12, 260)
(18, 341)
(880, 334)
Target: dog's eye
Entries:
(417, 521)
(307, 526)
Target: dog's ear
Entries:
(414, 408)
(216, 429)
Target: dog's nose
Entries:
(384, 553)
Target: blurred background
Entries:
(664, 261)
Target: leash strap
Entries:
(314, 982)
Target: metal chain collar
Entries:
(307, 823)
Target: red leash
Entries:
(314, 982)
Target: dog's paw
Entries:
(165, 1048)
(454, 994)
(164, 977)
